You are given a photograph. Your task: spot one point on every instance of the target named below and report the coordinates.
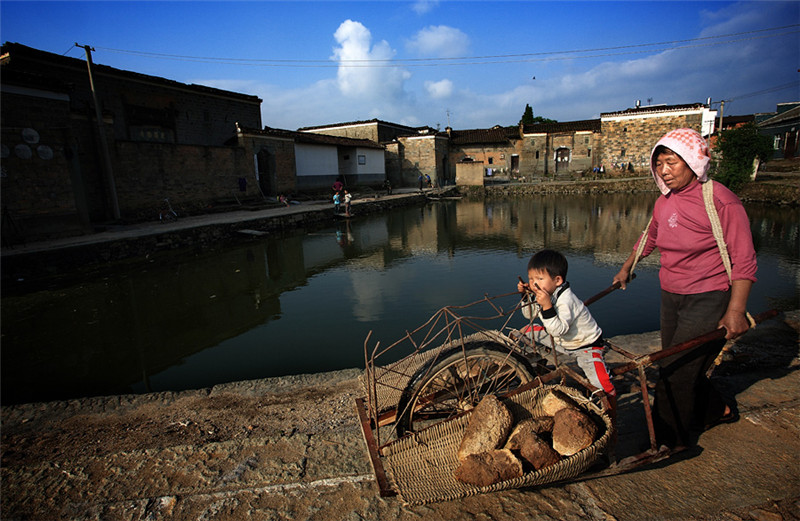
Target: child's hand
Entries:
(542, 297)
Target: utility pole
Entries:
(721, 110)
(107, 170)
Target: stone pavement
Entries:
(291, 449)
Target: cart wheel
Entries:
(456, 382)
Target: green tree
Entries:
(736, 149)
(529, 119)
(527, 116)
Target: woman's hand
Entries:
(735, 319)
(623, 276)
(735, 322)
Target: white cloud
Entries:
(377, 81)
(439, 89)
(439, 41)
(424, 6)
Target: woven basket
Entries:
(422, 466)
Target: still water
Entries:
(304, 302)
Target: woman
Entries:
(698, 294)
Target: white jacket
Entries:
(569, 320)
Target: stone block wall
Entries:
(420, 156)
(533, 152)
(631, 140)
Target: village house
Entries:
(201, 147)
(160, 139)
(629, 135)
(289, 161)
(783, 126)
(195, 146)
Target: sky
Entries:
(466, 64)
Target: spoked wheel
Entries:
(456, 382)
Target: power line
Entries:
(476, 60)
(777, 88)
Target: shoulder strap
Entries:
(640, 247)
(716, 226)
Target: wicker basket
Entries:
(422, 466)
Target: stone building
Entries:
(287, 161)
(555, 149)
(783, 126)
(410, 151)
(160, 139)
(629, 135)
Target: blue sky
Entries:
(432, 62)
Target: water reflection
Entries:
(305, 302)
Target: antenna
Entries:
(448, 117)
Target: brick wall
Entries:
(192, 177)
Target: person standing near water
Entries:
(705, 279)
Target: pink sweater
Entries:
(690, 258)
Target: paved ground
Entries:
(291, 449)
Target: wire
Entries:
(476, 60)
(767, 91)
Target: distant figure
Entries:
(347, 199)
(336, 202)
(428, 180)
(602, 169)
(283, 200)
(337, 186)
(388, 186)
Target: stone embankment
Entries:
(291, 448)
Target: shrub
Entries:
(736, 149)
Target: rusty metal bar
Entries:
(374, 455)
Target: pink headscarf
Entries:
(692, 148)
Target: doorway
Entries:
(562, 160)
(265, 164)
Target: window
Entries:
(362, 160)
(537, 154)
(491, 160)
(588, 152)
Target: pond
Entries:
(304, 302)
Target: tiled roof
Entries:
(484, 135)
(16, 49)
(314, 139)
(592, 125)
(653, 109)
(411, 130)
(782, 118)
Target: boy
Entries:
(565, 318)
(336, 202)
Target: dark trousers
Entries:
(685, 399)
